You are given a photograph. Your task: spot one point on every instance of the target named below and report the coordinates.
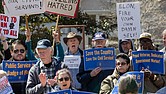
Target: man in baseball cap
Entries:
(99, 40)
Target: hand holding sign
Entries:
(55, 36)
(95, 71)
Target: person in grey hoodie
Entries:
(126, 46)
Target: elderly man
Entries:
(91, 80)
(41, 75)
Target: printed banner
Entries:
(72, 61)
(128, 19)
(152, 60)
(9, 26)
(99, 57)
(22, 7)
(139, 77)
(17, 70)
(62, 7)
(5, 87)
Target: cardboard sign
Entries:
(72, 61)
(152, 60)
(9, 26)
(139, 77)
(128, 19)
(5, 87)
(22, 7)
(17, 70)
(62, 7)
(99, 57)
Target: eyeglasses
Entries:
(145, 41)
(17, 51)
(122, 63)
(65, 78)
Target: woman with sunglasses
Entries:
(122, 66)
(64, 80)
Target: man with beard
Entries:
(18, 51)
(125, 45)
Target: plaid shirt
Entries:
(50, 73)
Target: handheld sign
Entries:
(17, 70)
(99, 57)
(5, 87)
(128, 19)
(62, 7)
(9, 26)
(138, 76)
(152, 60)
(72, 61)
(69, 91)
(22, 7)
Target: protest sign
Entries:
(152, 60)
(72, 61)
(17, 70)
(22, 7)
(99, 57)
(5, 87)
(69, 91)
(139, 77)
(62, 7)
(128, 19)
(9, 26)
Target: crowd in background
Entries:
(50, 74)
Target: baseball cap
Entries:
(99, 36)
(44, 43)
(145, 35)
(124, 40)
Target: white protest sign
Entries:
(9, 26)
(128, 19)
(22, 7)
(5, 87)
(72, 61)
(62, 7)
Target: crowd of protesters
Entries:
(50, 74)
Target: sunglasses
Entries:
(122, 63)
(64, 79)
(145, 41)
(17, 51)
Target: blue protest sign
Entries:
(67, 91)
(139, 77)
(17, 70)
(99, 57)
(152, 60)
(81, 92)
